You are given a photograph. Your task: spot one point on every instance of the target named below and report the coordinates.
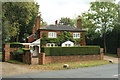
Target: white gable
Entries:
(67, 44)
(37, 42)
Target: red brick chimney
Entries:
(56, 22)
(79, 23)
(33, 29)
(37, 23)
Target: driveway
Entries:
(8, 69)
(103, 71)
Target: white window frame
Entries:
(52, 35)
(67, 45)
(76, 35)
(50, 45)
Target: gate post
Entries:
(7, 52)
(118, 52)
(101, 53)
(42, 58)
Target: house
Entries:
(52, 32)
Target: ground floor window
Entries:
(67, 45)
(50, 45)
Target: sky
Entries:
(52, 10)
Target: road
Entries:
(103, 71)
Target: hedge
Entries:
(16, 45)
(63, 51)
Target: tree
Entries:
(43, 23)
(18, 19)
(102, 15)
(66, 21)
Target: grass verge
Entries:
(112, 55)
(15, 62)
(73, 65)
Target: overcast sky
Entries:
(52, 10)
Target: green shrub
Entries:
(14, 61)
(17, 54)
(26, 50)
(16, 45)
(62, 51)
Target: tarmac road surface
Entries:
(103, 71)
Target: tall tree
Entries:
(102, 15)
(66, 21)
(18, 19)
(43, 23)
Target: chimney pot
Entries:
(56, 22)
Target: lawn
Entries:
(73, 65)
(112, 55)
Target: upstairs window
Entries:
(52, 35)
(76, 35)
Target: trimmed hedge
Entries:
(63, 51)
(13, 45)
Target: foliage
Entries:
(62, 37)
(15, 62)
(66, 21)
(112, 55)
(18, 19)
(25, 48)
(62, 51)
(16, 45)
(17, 55)
(101, 16)
(43, 23)
(18, 52)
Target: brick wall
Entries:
(83, 42)
(61, 59)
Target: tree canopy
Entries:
(66, 21)
(102, 17)
(18, 19)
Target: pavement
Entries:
(103, 71)
(8, 69)
(115, 60)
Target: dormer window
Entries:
(76, 35)
(52, 35)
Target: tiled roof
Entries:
(60, 28)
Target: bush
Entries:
(26, 50)
(17, 55)
(16, 45)
(62, 51)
